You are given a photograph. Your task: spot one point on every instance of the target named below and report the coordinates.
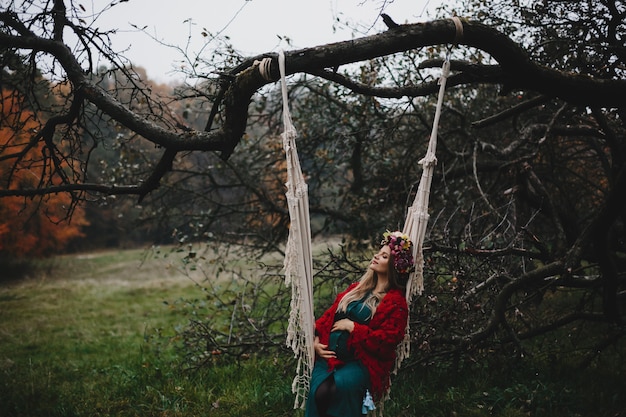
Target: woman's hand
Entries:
(343, 324)
(322, 350)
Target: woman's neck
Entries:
(381, 284)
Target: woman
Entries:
(356, 338)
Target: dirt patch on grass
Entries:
(135, 268)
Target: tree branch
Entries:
(514, 69)
(497, 317)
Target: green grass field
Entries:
(88, 336)
(93, 335)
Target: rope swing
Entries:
(417, 215)
(298, 254)
(298, 257)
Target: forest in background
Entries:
(54, 224)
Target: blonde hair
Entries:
(367, 284)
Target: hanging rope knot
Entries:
(459, 29)
(445, 70)
(264, 68)
(430, 159)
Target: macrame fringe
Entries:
(417, 215)
(298, 256)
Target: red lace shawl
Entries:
(374, 344)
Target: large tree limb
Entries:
(501, 304)
(515, 70)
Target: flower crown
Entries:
(401, 249)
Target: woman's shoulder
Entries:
(393, 304)
(395, 295)
(348, 289)
(396, 292)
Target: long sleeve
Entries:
(375, 344)
(325, 322)
(380, 338)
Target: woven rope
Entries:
(298, 258)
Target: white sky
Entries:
(254, 26)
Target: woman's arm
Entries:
(324, 323)
(385, 331)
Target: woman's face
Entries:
(380, 262)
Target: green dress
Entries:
(352, 378)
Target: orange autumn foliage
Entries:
(30, 226)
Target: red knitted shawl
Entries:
(374, 344)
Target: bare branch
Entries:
(239, 85)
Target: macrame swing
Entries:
(298, 254)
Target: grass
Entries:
(93, 335)
(92, 338)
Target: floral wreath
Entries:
(401, 249)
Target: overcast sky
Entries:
(254, 26)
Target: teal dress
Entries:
(352, 378)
